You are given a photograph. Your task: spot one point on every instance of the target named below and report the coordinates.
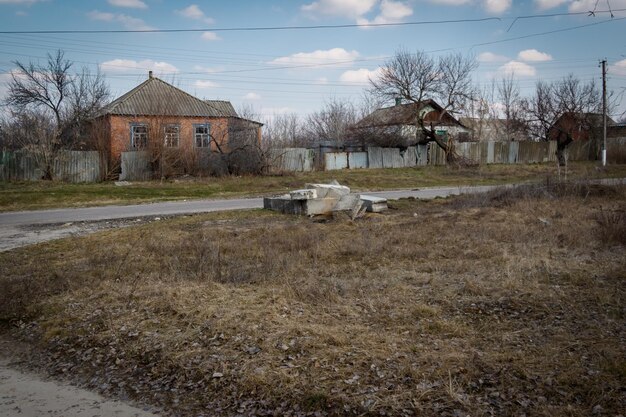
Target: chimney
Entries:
(398, 101)
(149, 74)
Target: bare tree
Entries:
(284, 131)
(512, 107)
(331, 123)
(51, 91)
(553, 100)
(417, 76)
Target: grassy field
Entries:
(40, 195)
(508, 303)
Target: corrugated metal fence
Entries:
(294, 159)
(84, 166)
(135, 166)
(69, 166)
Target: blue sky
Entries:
(298, 70)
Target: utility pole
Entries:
(603, 62)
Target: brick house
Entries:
(578, 126)
(157, 117)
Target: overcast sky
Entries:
(279, 71)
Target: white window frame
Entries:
(202, 139)
(139, 139)
(171, 137)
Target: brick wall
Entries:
(120, 131)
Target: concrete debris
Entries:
(317, 199)
(303, 194)
(374, 204)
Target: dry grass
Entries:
(46, 194)
(508, 303)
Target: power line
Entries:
(302, 27)
(590, 13)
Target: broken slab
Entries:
(374, 204)
(329, 190)
(322, 199)
(306, 194)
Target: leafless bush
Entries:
(612, 226)
(507, 196)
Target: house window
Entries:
(138, 136)
(201, 135)
(172, 136)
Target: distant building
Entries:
(579, 126)
(157, 114)
(494, 130)
(399, 123)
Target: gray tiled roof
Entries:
(155, 97)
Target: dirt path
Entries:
(25, 394)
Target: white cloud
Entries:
(548, 4)
(194, 12)
(126, 65)
(208, 70)
(252, 96)
(533, 55)
(491, 57)
(321, 81)
(128, 22)
(360, 76)
(134, 4)
(491, 6)
(330, 57)
(587, 5)
(390, 12)
(210, 36)
(205, 84)
(451, 2)
(497, 6)
(342, 8)
(619, 68)
(519, 69)
(577, 6)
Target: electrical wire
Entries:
(302, 27)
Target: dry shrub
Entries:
(506, 196)
(612, 226)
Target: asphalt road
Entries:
(67, 215)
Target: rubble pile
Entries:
(317, 199)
